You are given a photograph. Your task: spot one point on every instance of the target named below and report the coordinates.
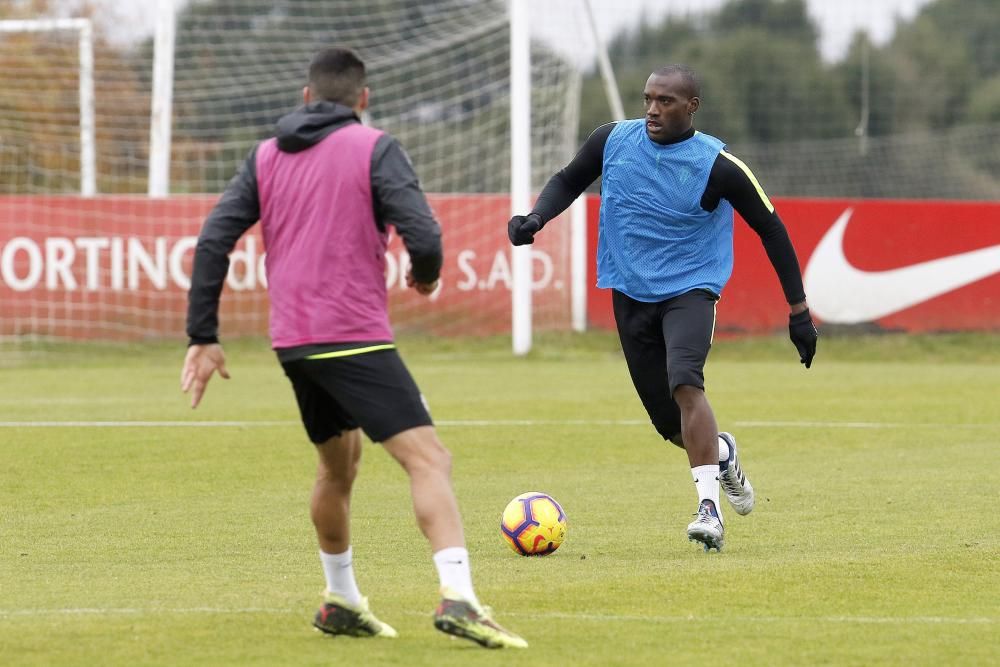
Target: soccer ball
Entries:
(533, 524)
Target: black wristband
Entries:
(203, 340)
(799, 318)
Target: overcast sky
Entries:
(561, 22)
(838, 20)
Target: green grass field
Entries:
(143, 533)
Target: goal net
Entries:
(116, 265)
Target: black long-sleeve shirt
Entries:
(729, 179)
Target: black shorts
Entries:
(370, 390)
(666, 344)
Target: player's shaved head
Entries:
(692, 86)
(337, 74)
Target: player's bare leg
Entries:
(344, 611)
(699, 432)
(428, 463)
(698, 427)
(330, 507)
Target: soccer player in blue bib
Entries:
(665, 249)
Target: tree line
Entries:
(764, 79)
(927, 103)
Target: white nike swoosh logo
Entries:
(842, 294)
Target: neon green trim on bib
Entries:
(349, 353)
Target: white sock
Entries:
(454, 571)
(723, 450)
(706, 479)
(339, 572)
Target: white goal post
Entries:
(88, 150)
(521, 170)
(161, 108)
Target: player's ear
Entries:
(693, 105)
(306, 95)
(362, 100)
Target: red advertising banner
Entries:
(114, 268)
(885, 264)
(118, 268)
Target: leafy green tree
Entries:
(984, 103)
(767, 91)
(39, 111)
(932, 77)
(787, 18)
(973, 24)
(762, 88)
(881, 81)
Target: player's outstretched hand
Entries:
(803, 333)
(422, 288)
(521, 229)
(199, 364)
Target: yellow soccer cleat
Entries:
(462, 618)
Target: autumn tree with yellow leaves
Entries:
(40, 109)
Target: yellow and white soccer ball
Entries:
(533, 524)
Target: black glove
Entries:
(521, 229)
(803, 333)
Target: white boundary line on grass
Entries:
(483, 422)
(142, 424)
(899, 620)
